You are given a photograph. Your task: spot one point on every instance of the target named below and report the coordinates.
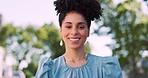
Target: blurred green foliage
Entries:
(128, 26)
(31, 69)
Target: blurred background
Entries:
(29, 30)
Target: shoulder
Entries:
(45, 60)
(105, 60)
(48, 61)
(109, 66)
(45, 65)
(110, 60)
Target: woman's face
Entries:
(74, 30)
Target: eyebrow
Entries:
(81, 23)
(77, 23)
(68, 23)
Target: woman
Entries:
(75, 18)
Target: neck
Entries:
(75, 54)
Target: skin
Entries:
(74, 32)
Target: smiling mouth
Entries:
(74, 39)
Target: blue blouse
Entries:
(95, 67)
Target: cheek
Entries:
(64, 33)
(85, 33)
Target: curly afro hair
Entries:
(90, 9)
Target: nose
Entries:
(74, 31)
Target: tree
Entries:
(29, 44)
(49, 36)
(128, 27)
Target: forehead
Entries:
(74, 17)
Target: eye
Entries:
(81, 27)
(68, 27)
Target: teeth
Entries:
(74, 39)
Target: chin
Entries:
(74, 46)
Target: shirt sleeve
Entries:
(111, 68)
(44, 68)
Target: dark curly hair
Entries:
(90, 9)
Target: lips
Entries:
(74, 39)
